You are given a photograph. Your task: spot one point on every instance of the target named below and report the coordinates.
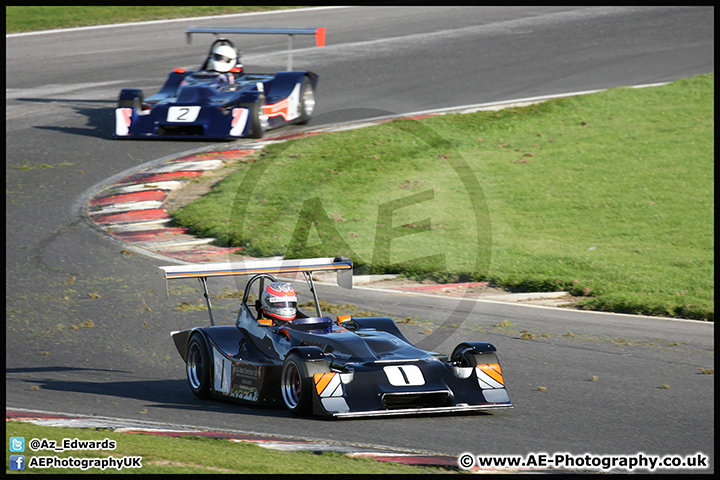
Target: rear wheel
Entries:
(197, 366)
(296, 383)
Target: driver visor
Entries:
(281, 305)
(283, 302)
(221, 58)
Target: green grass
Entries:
(25, 19)
(175, 455)
(609, 195)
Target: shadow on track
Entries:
(166, 394)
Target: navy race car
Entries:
(220, 100)
(346, 367)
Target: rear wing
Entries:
(319, 34)
(342, 265)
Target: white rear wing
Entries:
(342, 265)
(319, 34)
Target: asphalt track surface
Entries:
(588, 382)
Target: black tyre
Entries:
(133, 98)
(307, 100)
(464, 356)
(258, 119)
(296, 383)
(197, 366)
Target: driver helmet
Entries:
(223, 59)
(279, 301)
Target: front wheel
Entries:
(197, 366)
(296, 383)
(464, 356)
(131, 98)
(307, 100)
(258, 119)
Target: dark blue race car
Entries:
(220, 100)
(347, 367)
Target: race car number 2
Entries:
(183, 114)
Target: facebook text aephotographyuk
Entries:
(85, 463)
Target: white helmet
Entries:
(223, 59)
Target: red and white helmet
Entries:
(279, 301)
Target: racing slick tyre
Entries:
(198, 366)
(307, 100)
(258, 119)
(131, 98)
(296, 383)
(464, 356)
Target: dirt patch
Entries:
(477, 290)
(197, 187)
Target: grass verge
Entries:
(609, 196)
(175, 455)
(28, 19)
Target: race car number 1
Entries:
(183, 114)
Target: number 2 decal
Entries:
(183, 114)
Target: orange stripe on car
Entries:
(493, 371)
(322, 380)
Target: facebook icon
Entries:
(17, 462)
